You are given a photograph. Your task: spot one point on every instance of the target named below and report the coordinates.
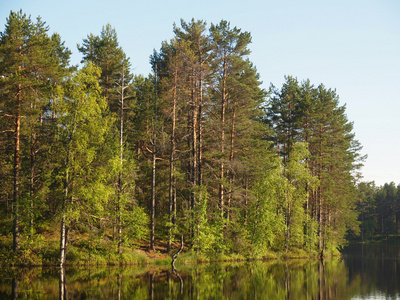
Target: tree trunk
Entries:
(62, 285)
(246, 198)
(64, 229)
(171, 164)
(175, 256)
(32, 180)
(120, 219)
(199, 118)
(321, 212)
(192, 146)
(320, 196)
(288, 223)
(222, 165)
(231, 156)
(199, 115)
(153, 197)
(153, 184)
(63, 241)
(194, 139)
(32, 170)
(16, 245)
(121, 143)
(14, 288)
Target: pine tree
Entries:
(303, 113)
(104, 51)
(194, 48)
(366, 206)
(229, 45)
(170, 87)
(190, 105)
(335, 159)
(284, 118)
(31, 64)
(183, 73)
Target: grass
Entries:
(43, 249)
(79, 254)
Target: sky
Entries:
(352, 46)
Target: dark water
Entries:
(364, 272)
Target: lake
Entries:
(364, 272)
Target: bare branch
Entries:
(99, 218)
(10, 130)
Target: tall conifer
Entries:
(31, 64)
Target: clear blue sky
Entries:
(352, 46)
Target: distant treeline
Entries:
(197, 148)
(379, 211)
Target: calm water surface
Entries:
(364, 272)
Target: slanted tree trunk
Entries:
(175, 256)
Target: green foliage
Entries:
(304, 113)
(310, 234)
(104, 52)
(238, 174)
(378, 211)
(299, 180)
(82, 131)
(208, 234)
(32, 64)
(266, 219)
(136, 224)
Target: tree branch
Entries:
(175, 256)
(10, 130)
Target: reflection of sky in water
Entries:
(376, 295)
(374, 268)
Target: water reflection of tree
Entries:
(377, 269)
(151, 291)
(294, 279)
(15, 283)
(62, 284)
(119, 285)
(175, 272)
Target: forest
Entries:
(97, 162)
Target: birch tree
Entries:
(84, 167)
